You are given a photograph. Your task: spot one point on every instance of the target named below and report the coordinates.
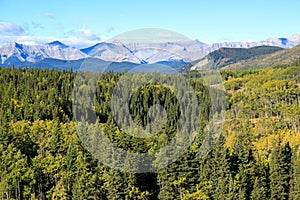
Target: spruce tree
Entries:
(280, 163)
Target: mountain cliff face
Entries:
(170, 51)
(114, 51)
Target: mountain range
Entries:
(116, 52)
(15, 52)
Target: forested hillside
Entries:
(258, 156)
(285, 57)
(223, 57)
(241, 58)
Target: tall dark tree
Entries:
(280, 164)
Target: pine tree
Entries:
(280, 163)
(243, 163)
(215, 175)
(261, 188)
(295, 188)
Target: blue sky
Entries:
(83, 23)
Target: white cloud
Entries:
(81, 38)
(80, 42)
(50, 15)
(86, 33)
(26, 39)
(11, 29)
(74, 41)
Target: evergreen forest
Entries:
(256, 157)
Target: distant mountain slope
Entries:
(95, 64)
(90, 64)
(226, 56)
(284, 57)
